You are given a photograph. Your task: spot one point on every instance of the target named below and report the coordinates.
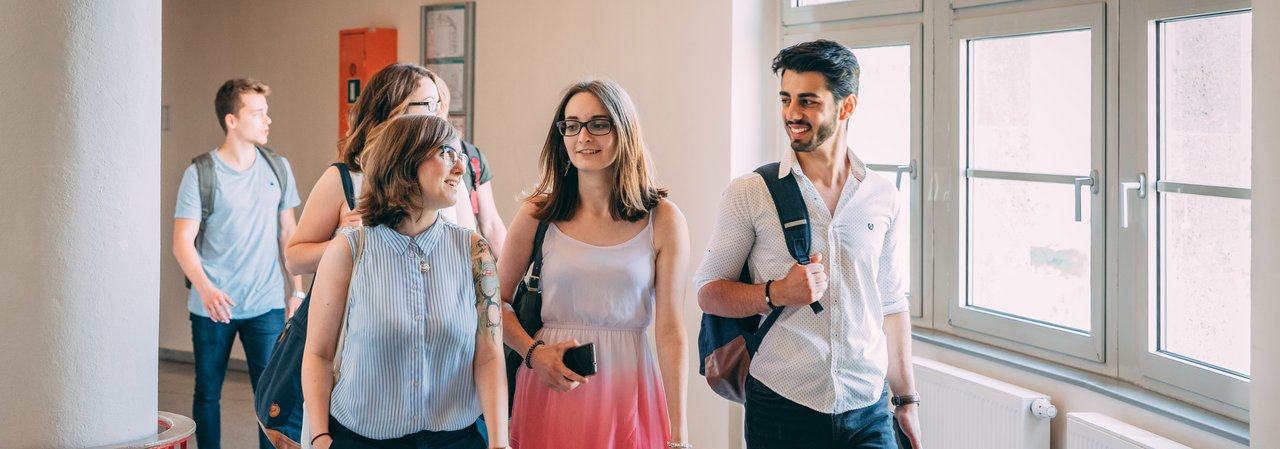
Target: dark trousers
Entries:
(774, 422)
(464, 438)
(212, 346)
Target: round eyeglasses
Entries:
(431, 105)
(595, 127)
(452, 157)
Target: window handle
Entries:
(1141, 186)
(910, 168)
(1092, 182)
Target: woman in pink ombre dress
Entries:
(614, 259)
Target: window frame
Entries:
(1085, 351)
(846, 9)
(911, 35)
(1139, 245)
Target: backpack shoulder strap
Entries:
(791, 210)
(473, 159)
(473, 166)
(346, 311)
(792, 213)
(207, 178)
(348, 190)
(276, 162)
(535, 258)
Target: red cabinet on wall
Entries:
(362, 52)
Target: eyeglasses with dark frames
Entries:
(431, 104)
(595, 127)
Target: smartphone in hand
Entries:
(581, 359)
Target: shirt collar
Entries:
(425, 241)
(788, 163)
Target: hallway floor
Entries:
(239, 429)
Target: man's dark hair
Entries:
(831, 59)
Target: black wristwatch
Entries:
(768, 299)
(899, 401)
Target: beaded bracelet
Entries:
(528, 356)
(671, 445)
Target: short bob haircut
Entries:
(634, 193)
(385, 97)
(391, 193)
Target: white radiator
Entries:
(1098, 431)
(966, 410)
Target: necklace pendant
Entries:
(423, 266)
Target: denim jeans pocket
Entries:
(758, 390)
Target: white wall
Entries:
(1265, 397)
(672, 56)
(78, 272)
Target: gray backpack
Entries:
(207, 178)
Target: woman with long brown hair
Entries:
(614, 254)
(396, 90)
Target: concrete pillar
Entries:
(79, 236)
(1264, 403)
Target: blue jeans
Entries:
(775, 422)
(212, 346)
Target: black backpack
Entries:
(207, 179)
(277, 400)
(726, 345)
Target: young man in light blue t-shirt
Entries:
(236, 275)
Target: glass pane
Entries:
(880, 129)
(1028, 256)
(1204, 249)
(1206, 99)
(1029, 103)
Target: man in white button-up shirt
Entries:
(819, 378)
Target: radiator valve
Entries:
(1041, 407)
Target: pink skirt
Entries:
(622, 407)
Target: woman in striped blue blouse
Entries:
(422, 353)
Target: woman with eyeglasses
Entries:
(422, 356)
(396, 90)
(615, 254)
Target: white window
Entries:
(1031, 137)
(1184, 203)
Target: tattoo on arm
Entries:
(485, 271)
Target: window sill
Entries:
(1183, 413)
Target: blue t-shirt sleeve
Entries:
(290, 200)
(188, 196)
